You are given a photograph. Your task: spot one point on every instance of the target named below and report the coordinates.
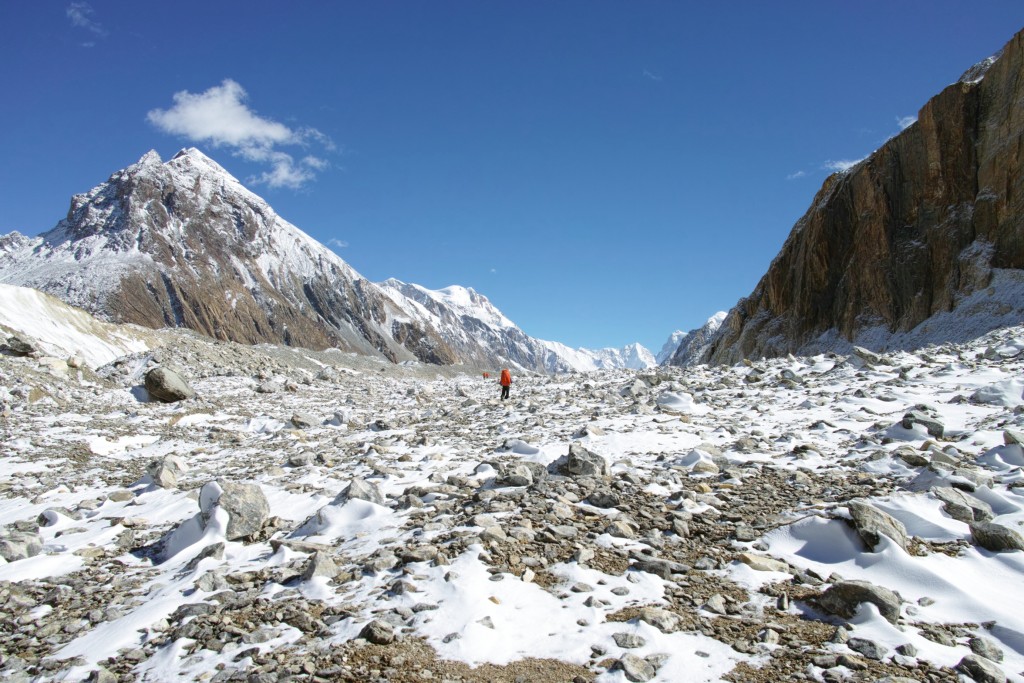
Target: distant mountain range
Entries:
(182, 243)
(922, 241)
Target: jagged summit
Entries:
(182, 243)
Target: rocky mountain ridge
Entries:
(920, 242)
(183, 243)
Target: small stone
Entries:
(378, 632)
(868, 648)
(635, 668)
(716, 604)
(628, 640)
(762, 563)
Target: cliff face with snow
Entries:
(920, 242)
(694, 344)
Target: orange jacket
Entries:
(506, 378)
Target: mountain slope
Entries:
(694, 343)
(184, 244)
(480, 334)
(920, 242)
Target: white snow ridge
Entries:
(326, 516)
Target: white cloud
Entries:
(81, 15)
(335, 242)
(905, 122)
(219, 116)
(842, 164)
(651, 76)
(794, 176)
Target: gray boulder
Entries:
(981, 669)
(916, 416)
(515, 474)
(362, 490)
(635, 668)
(581, 463)
(378, 632)
(962, 506)
(245, 504)
(167, 385)
(872, 523)
(320, 564)
(304, 421)
(18, 545)
(996, 537)
(19, 346)
(845, 597)
(165, 471)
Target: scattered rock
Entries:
(245, 504)
(981, 669)
(843, 599)
(168, 386)
(996, 537)
(872, 522)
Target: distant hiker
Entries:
(487, 375)
(506, 382)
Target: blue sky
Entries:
(605, 172)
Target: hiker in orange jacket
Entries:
(506, 382)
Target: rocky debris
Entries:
(843, 599)
(165, 384)
(19, 346)
(245, 504)
(872, 523)
(996, 537)
(644, 540)
(17, 545)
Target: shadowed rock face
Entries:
(904, 235)
(184, 244)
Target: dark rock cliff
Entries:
(905, 235)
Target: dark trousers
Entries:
(504, 391)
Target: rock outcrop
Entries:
(914, 244)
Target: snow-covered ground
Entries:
(668, 524)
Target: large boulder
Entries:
(962, 506)
(167, 385)
(362, 490)
(18, 545)
(996, 537)
(246, 505)
(581, 463)
(19, 346)
(845, 597)
(872, 523)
